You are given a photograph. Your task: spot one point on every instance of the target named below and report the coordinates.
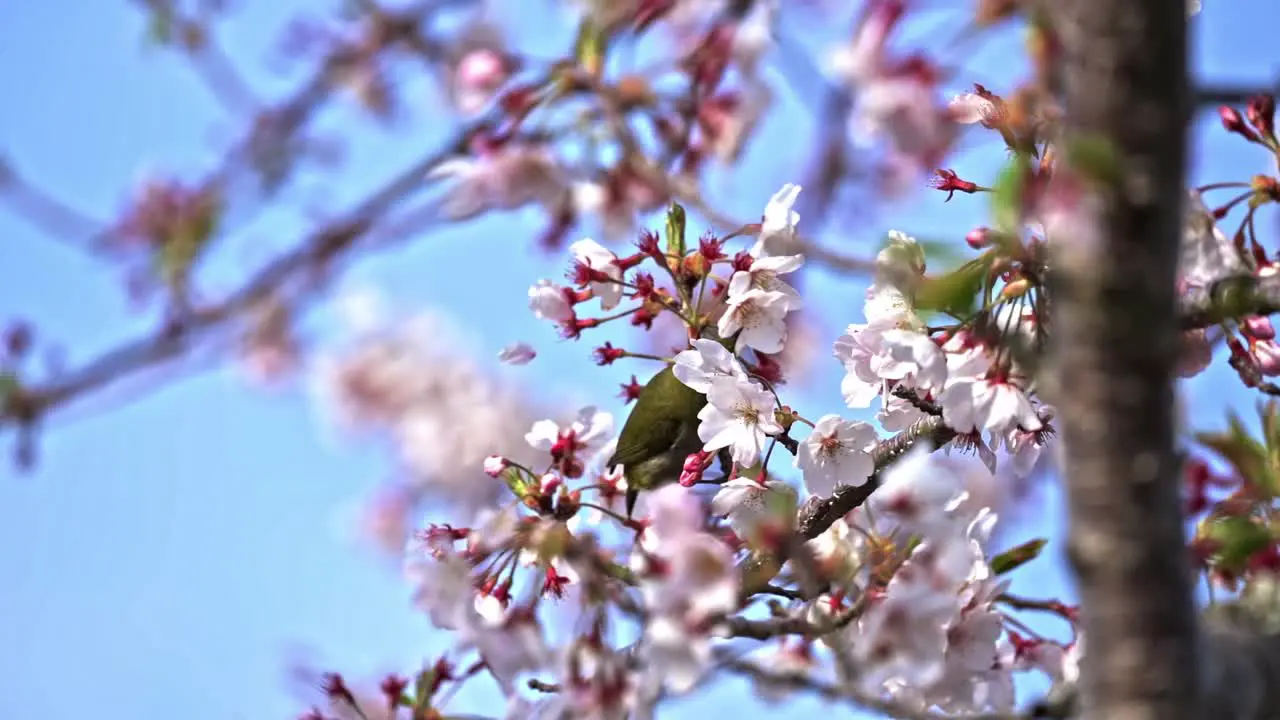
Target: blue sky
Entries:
(171, 555)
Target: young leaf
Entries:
(675, 231)
(1246, 455)
(1016, 557)
(1006, 195)
(955, 292)
(1236, 539)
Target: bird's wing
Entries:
(636, 447)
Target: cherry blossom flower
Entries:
(1024, 447)
(503, 178)
(987, 403)
(903, 637)
(913, 360)
(837, 452)
(873, 354)
(442, 588)
(739, 416)
(747, 502)
(918, 491)
(1266, 356)
(896, 97)
(839, 551)
(698, 579)
(730, 119)
(678, 655)
(759, 317)
(705, 362)
(888, 306)
(549, 301)
(1207, 254)
(593, 255)
(898, 414)
(568, 445)
(510, 644)
(674, 512)
(778, 227)
(763, 276)
(969, 108)
(595, 683)
(517, 353)
(412, 383)
(753, 37)
(859, 349)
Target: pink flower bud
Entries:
(1258, 327)
(693, 468)
(978, 238)
(494, 465)
(481, 70)
(1234, 123)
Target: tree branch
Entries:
(1211, 96)
(819, 513)
(313, 253)
(1231, 298)
(1125, 76)
(842, 692)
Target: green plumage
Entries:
(660, 432)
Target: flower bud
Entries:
(1015, 289)
(978, 238)
(1233, 123)
(1258, 327)
(1261, 112)
(494, 465)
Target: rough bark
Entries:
(1116, 327)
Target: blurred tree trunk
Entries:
(1114, 325)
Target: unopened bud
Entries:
(634, 91)
(978, 238)
(1015, 289)
(1261, 112)
(1234, 123)
(494, 465)
(1258, 327)
(694, 465)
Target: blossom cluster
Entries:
(861, 558)
(905, 586)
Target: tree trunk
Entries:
(1115, 329)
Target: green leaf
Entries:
(590, 46)
(675, 231)
(160, 27)
(1270, 414)
(1016, 557)
(422, 687)
(955, 292)
(1249, 458)
(9, 386)
(941, 254)
(1006, 195)
(515, 479)
(1236, 539)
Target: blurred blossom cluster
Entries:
(411, 381)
